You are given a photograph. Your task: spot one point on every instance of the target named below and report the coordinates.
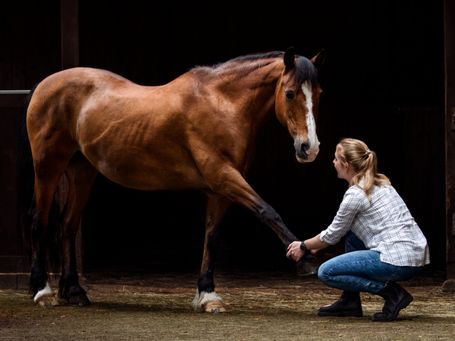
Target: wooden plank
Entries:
(449, 30)
(11, 246)
(69, 15)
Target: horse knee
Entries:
(269, 215)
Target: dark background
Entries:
(383, 82)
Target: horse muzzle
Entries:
(306, 152)
(306, 157)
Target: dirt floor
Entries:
(261, 306)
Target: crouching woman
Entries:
(383, 243)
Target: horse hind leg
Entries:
(206, 299)
(44, 296)
(39, 278)
(49, 165)
(44, 195)
(52, 146)
(79, 176)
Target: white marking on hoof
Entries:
(209, 302)
(40, 295)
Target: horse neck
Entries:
(252, 88)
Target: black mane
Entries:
(305, 70)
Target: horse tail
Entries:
(26, 198)
(26, 180)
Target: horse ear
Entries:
(319, 58)
(289, 58)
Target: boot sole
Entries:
(352, 313)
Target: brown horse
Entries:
(196, 132)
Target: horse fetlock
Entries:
(67, 291)
(74, 295)
(209, 302)
(80, 300)
(38, 279)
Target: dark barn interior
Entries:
(383, 82)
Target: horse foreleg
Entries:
(233, 186)
(206, 299)
(271, 218)
(80, 176)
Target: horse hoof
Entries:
(208, 303)
(214, 307)
(43, 295)
(57, 301)
(46, 301)
(79, 300)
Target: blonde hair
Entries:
(364, 163)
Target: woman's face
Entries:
(342, 167)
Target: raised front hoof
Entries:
(80, 300)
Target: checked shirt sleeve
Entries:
(354, 201)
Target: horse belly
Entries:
(144, 171)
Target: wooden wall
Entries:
(383, 82)
(12, 253)
(30, 50)
(450, 135)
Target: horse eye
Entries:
(290, 94)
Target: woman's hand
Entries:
(294, 251)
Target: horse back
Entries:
(137, 135)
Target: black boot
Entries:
(396, 298)
(347, 305)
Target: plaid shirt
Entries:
(384, 224)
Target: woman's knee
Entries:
(323, 272)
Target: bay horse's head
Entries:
(296, 103)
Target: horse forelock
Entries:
(305, 71)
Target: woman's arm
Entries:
(296, 249)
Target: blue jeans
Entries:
(360, 269)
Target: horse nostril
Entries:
(304, 147)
